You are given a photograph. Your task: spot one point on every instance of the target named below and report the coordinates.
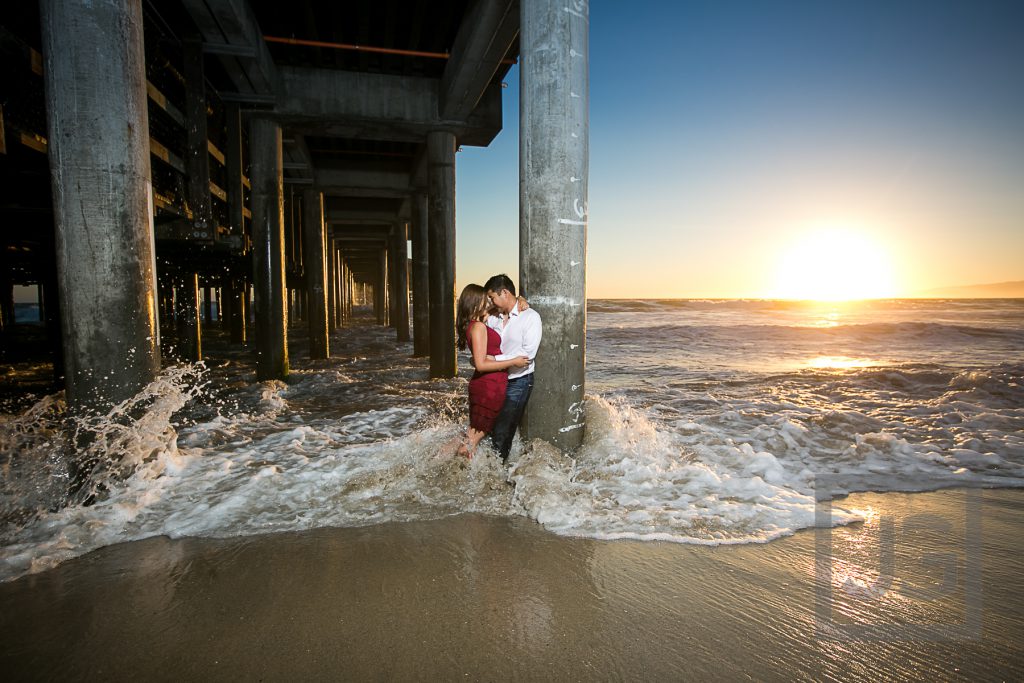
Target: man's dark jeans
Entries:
(505, 426)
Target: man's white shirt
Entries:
(520, 336)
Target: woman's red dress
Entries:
(486, 389)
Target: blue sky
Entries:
(723, 135)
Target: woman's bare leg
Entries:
(473, 437)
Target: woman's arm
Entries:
(478, 339)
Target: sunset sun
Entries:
(834, 265)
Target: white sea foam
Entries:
(630, 480)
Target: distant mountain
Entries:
(1000, 290)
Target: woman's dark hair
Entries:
(472, 300)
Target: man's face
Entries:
(502, 299)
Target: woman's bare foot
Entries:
(472, 440)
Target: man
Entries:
(520, 332)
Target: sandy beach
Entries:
(485, 598)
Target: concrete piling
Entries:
(224, 304)
(392, 280)
(441, 252)
(190, 339)
(315, 260)
(235, 292)
(207, 306)
(331, 254)
(6, 301)
(380, 289)
(345, 288)
(95, 87)
(239, 311)
(399, 247)
(197, 159)
(342, 268)
(352, 289)
(420, 277)
(233, 168)
(553, 171)
(350, 293)
(268, 249)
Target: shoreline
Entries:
(500, 598)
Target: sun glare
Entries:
(834, 265)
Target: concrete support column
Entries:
(315, 260)
(286, 228)
(351, 299)
(332, 282)
(339, 261)
(233, 168)
(235, 289)
(399, 247)
(99, 164)
(553, 170)
(340, 268)
(441, 252)
(6, 299)
(402, 245)
(197, 155)
(224, 304)
(41, 302)
(239, 311)
(295, 231)
(190, 339)
(380, 289)
(420, 277)
(268, 249)
(392, 279)
(165, 302)
(343, 288)
(207, 306)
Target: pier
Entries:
(256, 166)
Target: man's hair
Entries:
(500, 282)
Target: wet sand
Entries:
(485, 598)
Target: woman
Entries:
(487, 386)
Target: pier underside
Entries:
(173, 168)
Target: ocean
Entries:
(708, 422)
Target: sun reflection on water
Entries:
(827, 320)
(838, 362)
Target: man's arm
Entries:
(531, 336)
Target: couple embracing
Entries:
(503, 334)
